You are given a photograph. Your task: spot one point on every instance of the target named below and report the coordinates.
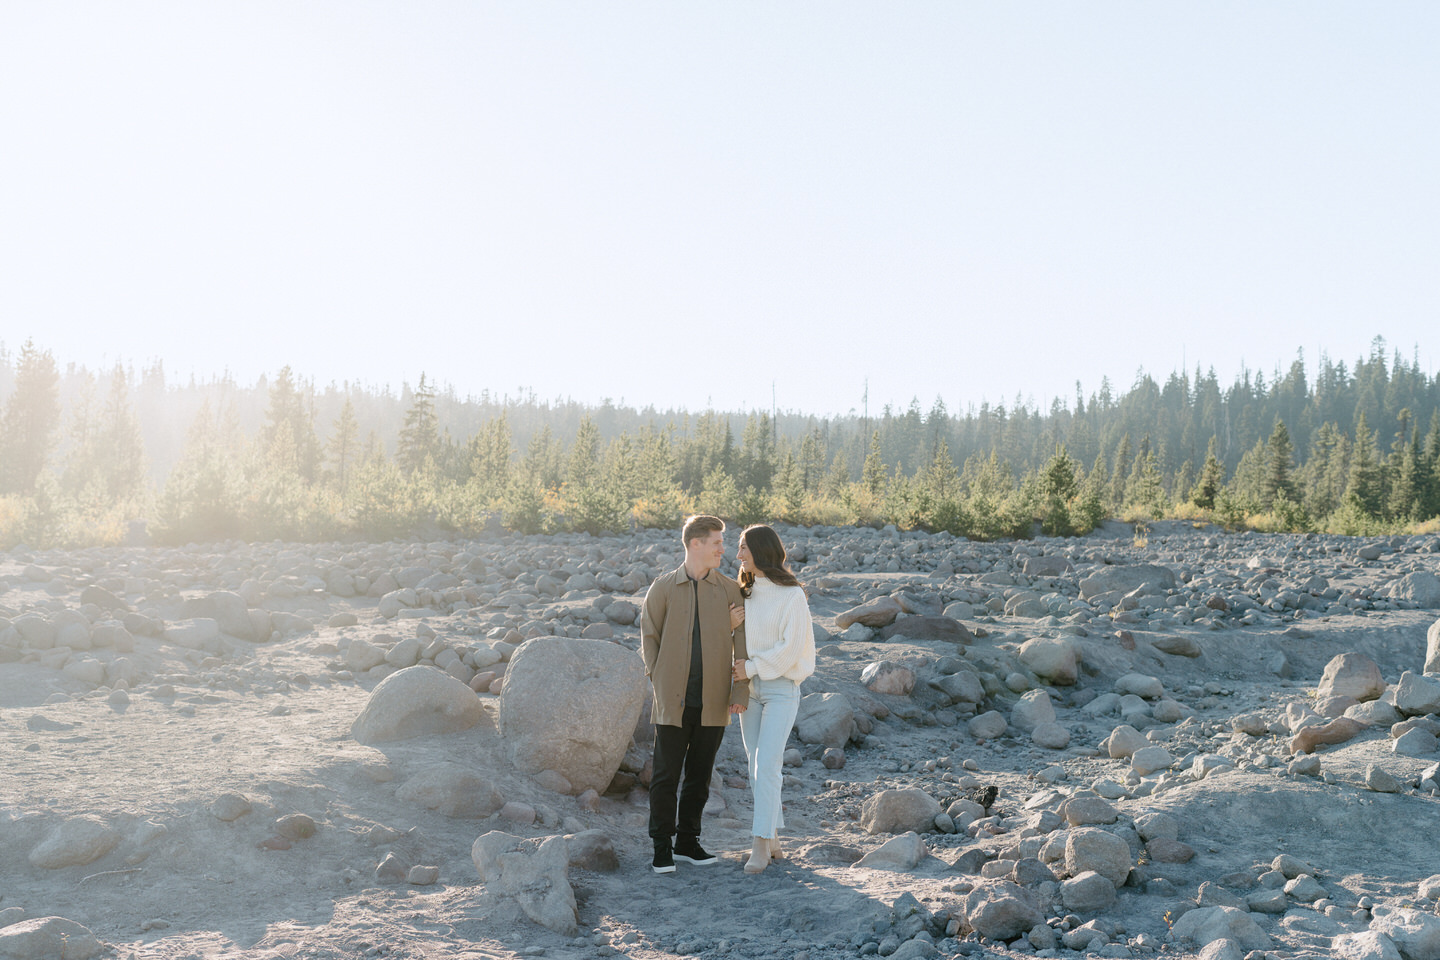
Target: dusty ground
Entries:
(271, 721)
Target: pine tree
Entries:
(874, 476)
(1120, 470)
(289, 431)
(490, 456)
(343, 446)
(27, 429)
(1058, 487)
(1212, 479)
(420, 435)
(1364, 491)
(1279, 462)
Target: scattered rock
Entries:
(418, 701)
(1032, 709)
(1205, 925)
(887, 677)
(898, 853)
(453, 790)
(1338, 730)
(75, 842)
(1365, 945)
(825, 718)
(570, 705)
(899, 811)
(1056, 660)
(1001, 910)
(880, 612)
(49, 938)
(535, 873)
(1415, 934)
(1089, 848)
(1351, 675)
(591, 850)
(1087, 892)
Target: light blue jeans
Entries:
(766, 725)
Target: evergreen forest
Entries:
(116, 456)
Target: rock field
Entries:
(1183, 742)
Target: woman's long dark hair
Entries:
(767, 553)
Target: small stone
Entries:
(833, 758)
(391, 869)
(1087, 892)
(422, 876)
(518, 812)
(295, 826)
(1379, 781)
(230, 807)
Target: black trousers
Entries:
(684, 758)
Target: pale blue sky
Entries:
(680, 204)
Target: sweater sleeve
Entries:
(795, 638)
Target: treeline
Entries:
(1355, 451)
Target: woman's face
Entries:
(747, 565)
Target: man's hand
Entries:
(737, 708)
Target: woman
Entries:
(781, 650)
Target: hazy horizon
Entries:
(682, 207)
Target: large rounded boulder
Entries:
(418, 701)
(570, 705)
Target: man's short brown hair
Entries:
(699, 527)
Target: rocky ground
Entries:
(1183, 742)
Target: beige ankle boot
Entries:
(759, 856)
(775, 852)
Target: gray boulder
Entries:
(898, 853)
(929, 628)
(1417, 694)
(571, 705)
(1148, 578)
(535, 873)
(885, 676)
(1031, 710)
(49, 938)
(1087, 893)
(1416, 934)
(1351, 675)
(1420, 587)
(1051, 566)
(1366, 945)
(74, 842)
(1001, 910)
(418, 701)
(880, 612)
(825, 718)
(453, 791)
(1055, 659)
(1089, 848)
(899, 811)
(1207, 924)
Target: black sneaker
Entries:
(664, 861)
(689, 850)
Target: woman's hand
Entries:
(737, 671)
(737, 615)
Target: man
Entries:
(689, 647)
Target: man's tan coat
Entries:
(666, 621)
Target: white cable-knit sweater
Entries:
(778, 637)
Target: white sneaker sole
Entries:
(669, 869)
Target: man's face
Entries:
(708, 551)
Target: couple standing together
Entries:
(713, 648)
